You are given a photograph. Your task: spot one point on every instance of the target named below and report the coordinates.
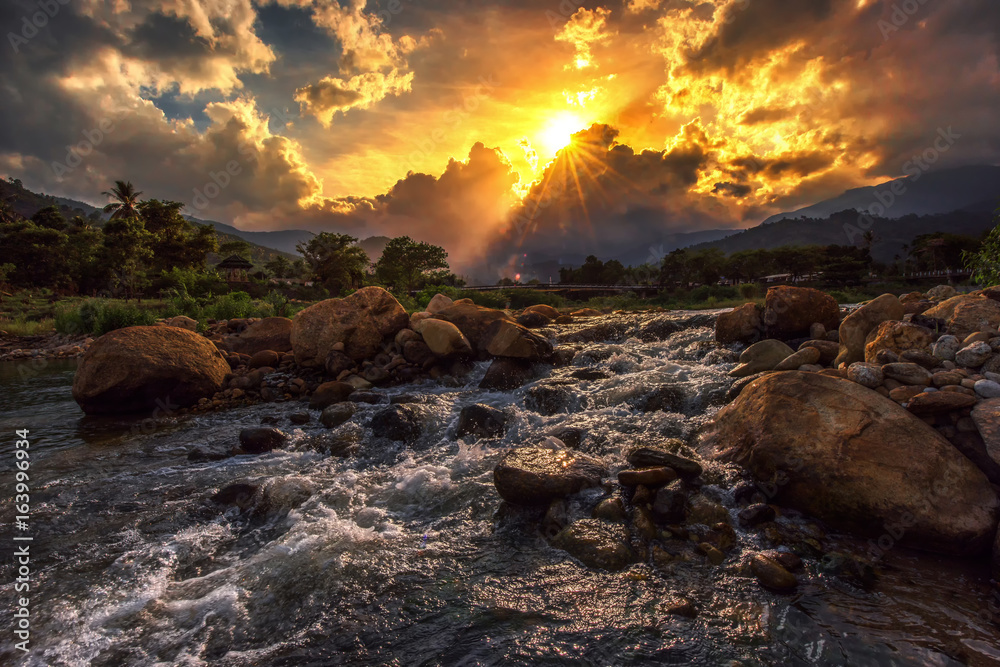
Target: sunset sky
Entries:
(449, 121)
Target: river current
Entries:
(358, 550)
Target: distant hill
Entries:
(961, 188)
(841, 228)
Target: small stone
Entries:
(676, 606)
(817, 331)
(946, 378)
(771, 574)
(946, 347)
(987, 388)
(786, 559)
(650, 477)
(259, 440)
(867, 375)
(921, 358)
(596, 544)
(299, 417)
(610, 509)
(481, 421)
(974, 356)
(714, 555)
(648, 457)
(754, 515)
(932, 403)
(907, 373)
(670, 503)
(904, 394)
(336, 414)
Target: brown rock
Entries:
(828, 350)
(650, 477)
(846, 455)
(147, 368)
(789, 312)
(270, 333)
(534, 475)
(508, 339)
(472, 321)
(966, 314)
(807, 355)
(771, 574)
(986, 416)
(937, 402)
(329, 393)
(543, 309)
(361, 321)
(855, 328)
(443, 338)
(905, 394)
(908, 373)
(264, 358)
(740, 325)
(897, 337)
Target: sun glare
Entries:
(559, 131)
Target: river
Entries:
(397, 555)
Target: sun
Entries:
(559, 131)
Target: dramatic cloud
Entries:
(359, 116)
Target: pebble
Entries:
(987, 388)
(771, 574)
(867, 375)
(946, 347)
(974, 356)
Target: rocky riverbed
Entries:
(614, 488)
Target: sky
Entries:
(500, 130)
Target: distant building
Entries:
(236, 269)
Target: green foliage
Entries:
(336, 261)
(426, 294)
(404, 261)
(522, 298)
(69, 321)
(493, 299)
(111, 316)
(748, 291)
(985, 262)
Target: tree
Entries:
(336, 260)
(175, 241)
(126, 250)
(236, 246)
(985, 262)
(279, 267)
(50, 217)
(404, 261)
(126, 200)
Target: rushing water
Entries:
(403, 555)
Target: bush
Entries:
(69, 320)
(235, 305)
(748, 291)
(522, 298)
(494, 299)
(111, 316)
(426, 294)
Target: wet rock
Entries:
(786, 559)
(507, 374)
(337, 414)
(299, 418)
(714, 555)
(329, 393)
(417, 352)
(972, 445)
(139, 369)
(204, 453)
(643, 525)
(402, 423)
(543, 309)
(897, 337)
(708, 512)
(375, 375)
(509, 339)
(549, 399)
(772, 574)
(986, 416)
(665, 398)
(443, 338)
(369, 397)
(938, 402)
(596, 544)
(589, 374)
(586, 312)
(648, 457)
(610, 509)
(481, 421)
(562, 355)
(866, 462)
(670, 503)
(762, 356)
(867, 375)
(571, 436)
(737, 387)
(281, 494)
(535, 475)
(756, 514)
(270, 333)
(658, 328)
(261, 439)
(240, 494)
(855, 328)
(556, 518)
(789, 312)
(651, 477)
(679, 606)
(828, 350)
(966, 314)
(973, 356)
(533, 320)
(361, 321)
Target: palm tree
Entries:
(127, 200)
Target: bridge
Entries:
(577, 291)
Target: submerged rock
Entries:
(845, 454)
(596, 544)
(402, 423)
(156, 368)
(650, 457)
(337, 414)
(507, 374)
(535, 475)
(771, 574)
(261, 439)
(481, 421)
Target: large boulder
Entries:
(473, 321)
(762, 356)
(270, 333)
(897, 337)
(986, 417)
(740, 325)
(858, 461)
(146, 368)
(790, 312)
(361, 322)
(544, 310)
(443, 338)
(438, 303)
(996, 557)
(535, 475)
(855, 328)
(508, 339)
(966, 314)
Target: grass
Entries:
(21, 327)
